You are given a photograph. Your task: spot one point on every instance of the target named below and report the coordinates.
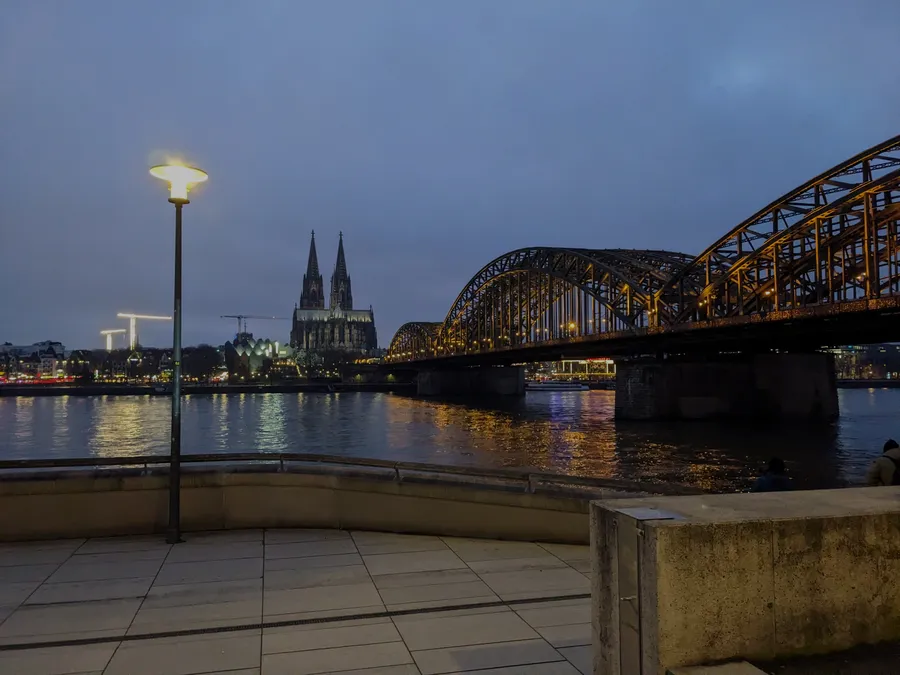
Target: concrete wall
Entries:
(501, 381)
(117, 502)
(681, 581)
(763, 386)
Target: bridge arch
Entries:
(831, 241)
(413, 340)
(538, 294)
(818, 221)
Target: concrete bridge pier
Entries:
(500, 381)
(754, 386)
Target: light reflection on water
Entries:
(566, 432)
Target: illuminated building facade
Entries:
(317, 329)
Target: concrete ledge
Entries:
(686, 581)
(52, 503)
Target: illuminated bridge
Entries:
(817, 267)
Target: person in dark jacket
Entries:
(773, 478)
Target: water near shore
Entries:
(566, 432)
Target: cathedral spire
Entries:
(341, 295)
(312, 296)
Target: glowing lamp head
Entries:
(180, 179)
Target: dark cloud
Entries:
(436, 135)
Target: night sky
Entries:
(436, 135)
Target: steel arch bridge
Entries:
(818, 266)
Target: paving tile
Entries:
(216, 537)
(210, 570)
(373, 543)
(16, 574)
(79, 571)
(290, 536)
(39, 623)
(85, 591)
(328, 636)
(554, 668)
(41, 545)
(405, 598)
(157, 553)
(17, 557)
(412, 579)
(176, 595)
(568, 635)
(568, 552)
(556, 614)
(580, 657)
(583, 566)
(310, 562)
(407, 669)
(476, 550)
(423, 632)
(336, 660)
(124, 544)
(423, 561)
(15, 593)
(185, 617)
(187, 655)
(305, 549)
(535, 583)
(441, 613)
(317, 576)
(544, 562)
(226, 551)
(484, 656)
(351, 596)
(57, 660)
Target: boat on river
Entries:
(555, 385)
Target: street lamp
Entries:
(180, 179)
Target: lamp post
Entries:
(180, 180)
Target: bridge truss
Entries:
(828, 247)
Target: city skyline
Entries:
(435, 136)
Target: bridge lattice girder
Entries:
(830, 241)
(414, 338)
(784, 253)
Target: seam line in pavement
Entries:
(257, 625)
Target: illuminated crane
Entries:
(132, 324)
(109, 336)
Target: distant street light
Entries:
(180, 180)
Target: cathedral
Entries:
(316, 329)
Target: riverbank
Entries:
(868, 384)
(8, 390)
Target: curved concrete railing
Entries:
(46, 498)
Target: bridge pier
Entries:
(503, 381)
(755, 386)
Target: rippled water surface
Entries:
(567, 432)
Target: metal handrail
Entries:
(526, 475)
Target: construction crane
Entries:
(242, 320)
(109, 336)
(132, 324)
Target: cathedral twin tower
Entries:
(339, 327)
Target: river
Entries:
(565, 432)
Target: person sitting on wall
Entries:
(885, 470)
(773, 478)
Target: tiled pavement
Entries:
(294, 602)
